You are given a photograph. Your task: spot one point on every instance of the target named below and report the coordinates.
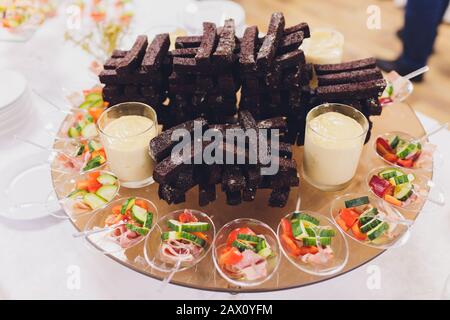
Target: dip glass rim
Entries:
(343, 106)
(118, 106)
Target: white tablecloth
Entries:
(38, 259)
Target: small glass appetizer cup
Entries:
(110, 231)
(79, 156)
(324, 249)
(79, 124)
(77, 110)
(172, 247)
(90, 192)
(402, 188)
(419, 156)
(258, 229)
(369, 221)
(397, 90)
(72, 156)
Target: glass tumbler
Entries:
(333, 145)
(125, 131)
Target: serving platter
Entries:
(395, 117)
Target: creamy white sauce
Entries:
(333, 145)
(126, 144)
(324, 46)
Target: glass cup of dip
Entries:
(334, 138)
(324, 46)
(125, 131)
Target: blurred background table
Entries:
(40, 256)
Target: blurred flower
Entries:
(104, 25)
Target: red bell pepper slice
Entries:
(383, 147)
(93, 185)
(312, 250)
(117, 209)
(349, 216)
(94, 175)
(233, 234)
(341, 223)
(286, 227)
(392, 158)
(357, 232)
(290, 245)
(407, 163)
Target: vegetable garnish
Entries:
(187, 238)
(134, 221)
(18, 16)
(398, 89)
(87, 155)
(92, 193)
(303, 237)
(80, 126)
(245, 255)
(88, 106)
(365, 222)
(396, 150)
(394, 186)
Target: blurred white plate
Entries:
(15, 101)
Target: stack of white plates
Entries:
(15, 101)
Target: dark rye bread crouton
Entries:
(291, 42)
(134, 56)
(209, 40)
(225, 48)
(171, 194)
(188, 42)
(183, 52)
(249, 42)
(290, 59)
(279, 197)
(118, 53)
(161, 145)
(111, 63)
(273, 123)
(190, 66)
(349, 77)
(206, 194)
(345, 66)
(303, 27)
(360, 90)
(233, 179)
(269, 46)
(156, 52)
